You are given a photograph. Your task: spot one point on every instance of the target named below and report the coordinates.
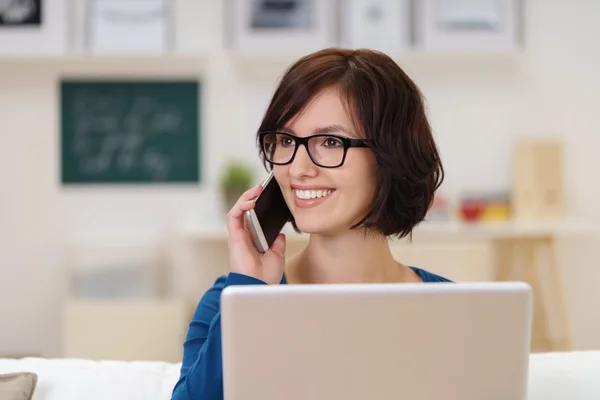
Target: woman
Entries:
(352, 150)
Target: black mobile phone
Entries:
(269, 215)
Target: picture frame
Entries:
(383, 25)
(19, 14)
(281, 25)
(129, 26)
(468, 25)
(34, 28)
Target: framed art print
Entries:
(281, 25)
(468, 25)
(32, 27)
(129, 26)
(20, 13)
(383, 25)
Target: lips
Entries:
(307, 197)
(312, 194)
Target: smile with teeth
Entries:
(312, 194)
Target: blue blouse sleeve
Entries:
(201, 375)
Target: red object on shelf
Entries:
(472, 211)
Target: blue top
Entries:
(201, 370)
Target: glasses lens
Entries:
(278, 148)
(327, 151)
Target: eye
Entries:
(332, 141)
(287, 141)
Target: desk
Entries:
(526, 250)
(522, 250)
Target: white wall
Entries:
(478, 104)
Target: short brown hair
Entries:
(387, 109)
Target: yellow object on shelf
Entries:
(496, 213)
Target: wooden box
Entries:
(538, 180)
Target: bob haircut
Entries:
(386, 108)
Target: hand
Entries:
(244, 257)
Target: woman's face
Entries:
(327, 200)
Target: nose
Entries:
(302, 165)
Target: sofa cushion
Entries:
(17, 385)
(552, 376)
(74, 379)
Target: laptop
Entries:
(433, 341)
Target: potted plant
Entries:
(236, 179)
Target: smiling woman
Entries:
(352, 151)
(365, 97)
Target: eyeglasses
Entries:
(327, 151)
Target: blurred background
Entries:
(128, 127)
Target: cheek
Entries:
(280, 174)
(282, 178)
(360, 179)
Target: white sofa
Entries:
(552, 376)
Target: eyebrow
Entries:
(324, 130)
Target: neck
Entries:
(351, 257)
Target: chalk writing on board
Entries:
(110, 134)
(130, 132)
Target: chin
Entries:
(316, 226)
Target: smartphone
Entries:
(269, 215)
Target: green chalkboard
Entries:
(130, 132)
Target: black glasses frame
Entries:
(303, 141)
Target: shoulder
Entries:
(429, 277)
(232, 279)
(213, 294)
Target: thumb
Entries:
(278, 246)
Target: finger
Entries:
(278, 246)
(251, 193)
(248, 195)
(235, 218)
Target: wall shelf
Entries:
(441, 230)
(135, 64)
